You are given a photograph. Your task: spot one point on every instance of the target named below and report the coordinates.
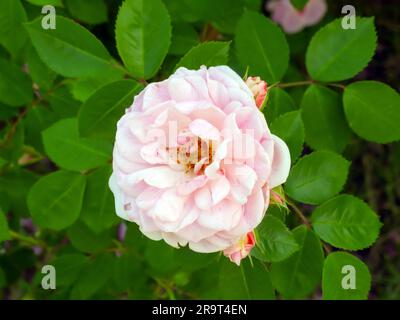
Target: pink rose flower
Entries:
(259, 89)
(293, 20)
(241, 249)
(194, 160)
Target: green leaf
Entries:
(160, 258)
(15, 85)
(226, 14)
(86, 240)
(12, 33)
(76, 153)
(101, 111)
(346, 222)
(317, 177)
(261, 45)
(4, 231)
(245, 282)
(324, 121)
(93, 277)
(274, 242)
(37, 119)
(70, 49)
(39, 72)
(63, 103)
(55, 200)
(373, 111)
(126, 270)
(68, 267)
(279, 102)
(289, 127)
(189, 260)
(83, 88)
(338, 269)
(98, 210)
(210, 54)
(57, 3)
(336, 54)
(184, 37)
(298, 276)
(143, 35)
(88, 11)
(15, 185)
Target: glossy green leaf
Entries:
(298, 276)
(36, 120)
(88, 11)
(209, 54)
(15, 185)
(143, 35)
(346, 222)
(63, 103)
(12, 34)
(55, 200)
(126, 270)
(324, 121)
(261, 45)
(93, 276)
(39, 72)
(98, 211)
(83, 88)
(289, 127)
(70, 49)
(279, 102)
(57, 3)
(68, 267)
(373, 111)
(337, 283)
(15, 85)
(245, 281)
(274, 240)
(184, 37)
(76, 153)
(101, 111)
(317, 177)
(336, 54)
(86, 240)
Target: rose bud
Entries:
(259, 89)
(241, 249)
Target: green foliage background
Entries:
(62, 92)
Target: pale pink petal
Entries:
(314, 11)
(204, 130)
(280, 163)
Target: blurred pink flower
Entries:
(241, 249)
(259, 89)
(194, 160)
(293, 20)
